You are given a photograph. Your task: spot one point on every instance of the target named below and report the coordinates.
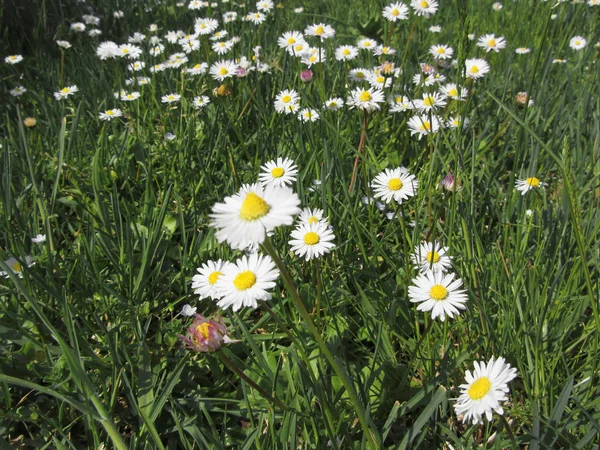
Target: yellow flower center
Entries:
(398, 99)
(313, 219)
(320, 30)
(299, 48)
(253, 208)
(426, 125)
(474, 69)
(110, 112)
(438, 292)
(395, 12)
(453, 92)
(223, 71)
(286, 99)
(277, 172)
(291, 41)
(365, 96)
(380, 79)
(311, 238)
(346, 52)
(213, 277)
(429, 101)
(492, 43)
(424, 4)
(577, 42)
(125, 50)
(12, 58)
(16, 267)
(197, 66)
(433, 256)
(312, 58)
(203, 329)
(441, 51)
(479, 388)
(64, 90)
(170, 97)
(244, 280)
(533, 182)
(360, 75)
(395, 184)
(367, 44)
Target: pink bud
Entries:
(206, 335)
(306, 75)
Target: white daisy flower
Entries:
(223, 69)
(16, 267)
(395, 11)
(281, 172)
(313, 56)
(441, 51)
(395, 184)
(129, 51)
(205, 26)
(320, 30)
(497, 6)
(366, 44)
(17, 91)
(110, 114)
(484, 389)
(39, 239)
(198, 69)
(577, 43)
(170, 98)
(439, 293)
(359, 74)
(246, 281)
(333, 104)
(476, 68)
(310, 216)
(188, 311)
(264, 5)
(366, 99)
(65, 92)
(346, 53)
(200, 102)
(286, 101)
(400, 103)
(424, 8)
(435, 29)
(528, 184)
(13, 59)
(490, 42)
(256, 18)
(289, 39)
(78, 26)
(64, 44)
(423, 125)
(246, 217)
(384, 50)
(107, 50)
(522, 50)
(308, 115)
(205, 282)
(430, 102)
(431, 256)
(312, 240)
(451, 90)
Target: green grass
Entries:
(89, 347)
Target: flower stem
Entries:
(374, 440)
(361, 144)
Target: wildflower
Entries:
(441, 51)
(395, 11)
(129, 51)
(128, 97)
(170, 136)
(222, 91)
(456, 121)
(577, 43)
(439, 293)
(422, 125)
(30, 122)
(320, 30)
(435, 29)
(223, 69)
(522, 50)
(107, 50)
(484, 389)
(170, 98)
(110, 114)
(65, 92)
(359, 74)
(313, 56)
(306, 76)
(246, 281)
(205, 26)
(187, 310)
(450, 183)
(395, 184)
(205, 282)
(476, 68)
(206, 335)
(311, 240)
(264, 5)
(63, 44)
(521, 99)
(384, 50)
(78, 26)
(308, 115)
(490, 42)
(365, 99)
(13, 59)
(16, 267)
(39, 239)
(378, 81)
(333, 104)
(17, 91)
(200, 101)
(431, 256)
(366, 44)
(281, 172)
(346, 53)
(246, 217)
(219, 35)
(559, 61)
(497, 6)
(289, 39)
(424, 8)
(299, 10)
(400, 103)
(257, 18)
(430, 102)
(528, 184)
(118, 14)
(454, 92)
(198, 69)
(286, 101)
(310, 216)
(136, 66)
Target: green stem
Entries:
(373, 437)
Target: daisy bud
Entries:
(206, 335)
(306, 76)
(30, 122)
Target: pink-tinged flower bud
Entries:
(450, 183)
(206, 335)
(306, 75)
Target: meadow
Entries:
(300, 225)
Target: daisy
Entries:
(16, 267)
(365, 99)
(63, 44)
(200, 101)
(333, 104)
(78, 26)
(422, 125)
(435, 29)
(490, 42)
(395, 184)
(118, 14)
(281, 172)
(299, 48)
(359, 74)
(441, 51)
(39, 239)
(65, 92)
(205, 26)
(170, 98)
(484, 389)
(522, 50)
(205, 282)
(110, 114)
(264, 5)
(311, 240)
(136, 66)
(430, 102)
(395, 12)
(246, 281)
(222, 47)
(497, 6)
(454, 92)
(187, 310)
(206, 335)
(286, 101)
(456, 121)
(13, 59)
(246, 217)
(320, 30)
(424, 8)
(476, 68)
(400, 103)
(130, 51)
(198, 69)
(107, 50)
(431, 256)
(439, 293)
(223, 69)
(378, 81)
(129, 96)
(289, 39)
(219, 35)
(366, 44)
(191, 45)
(313, 56)
(17, 91)
(308, 115)
(257, 18)
(195, 4)
(528, 184)
(137, 38)
(310, 216)
(346, 53)
(577, 43)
